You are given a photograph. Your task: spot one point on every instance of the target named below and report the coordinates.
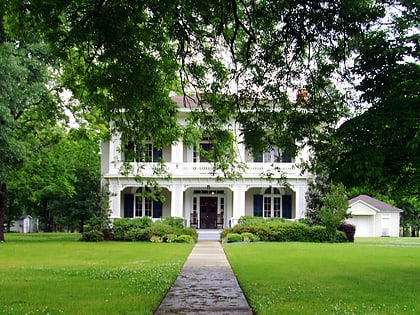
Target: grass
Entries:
(370, 276)
(55, 274)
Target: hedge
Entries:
(282, 231)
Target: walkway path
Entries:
(206, 285)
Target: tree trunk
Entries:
(3, 196)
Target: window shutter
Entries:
(258, 157)
(128, 205)
(286, 157)
(258, 205)
(157, 154)
(287, 206)
(157, 209)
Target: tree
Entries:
(379, 147)
(315, 197)
(23, 88)
(334, 210)
(242, 58)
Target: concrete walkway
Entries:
(205, 285)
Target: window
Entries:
(199, 153)
(143, 204)
(273, 155)
(148, 153)
(272, 203)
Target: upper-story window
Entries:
(274, 155)
(200, 152)
(146, 153)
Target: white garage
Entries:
(373, 217)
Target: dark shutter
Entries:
(286, 157)
(157, 154)
(287, 206)
(258, 205)
(157, 209)
(128, 205)
(258, 157)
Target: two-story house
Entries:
(192, 192)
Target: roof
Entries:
(185, 101)
(380, 205)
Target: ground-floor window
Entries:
(140, 205)
(273, 204)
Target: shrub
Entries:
(169, 238)
(161, 229)
(191, 232)
(233, 238)
(92, 236)
(349, 230)
(137, 234)
(282, 231)
(249, 237)
(173, 221)
(184, 239)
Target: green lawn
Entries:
(55, 274)
(370, 276)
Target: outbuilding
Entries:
(24, 224)
(373, 217)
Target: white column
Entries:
(177, 152)
(177, 201)
(301, 201)
(238, 203)
(115, 200)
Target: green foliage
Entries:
(334, 211)
(174, 221)
(144, 229)
(184, 239)
(92, 236)
(233, 238)
(249, 237)
(282, 231)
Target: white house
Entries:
(24, 224)
(373, 217)
(195, 194)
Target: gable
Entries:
(362, 208)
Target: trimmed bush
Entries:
(282, 231)
(184, 239)
(233, 238)
(92, 236)
(349, 230)
(249, 237)
(169, 238)
(174, 221)
(144, 229)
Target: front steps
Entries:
(209, 235)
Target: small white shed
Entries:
(25, 224)
(373, 217)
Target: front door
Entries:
(208, 212)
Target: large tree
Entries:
(379, 147)
(276, 67)
(24, 95)
(246, 59)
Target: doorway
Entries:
(208, 212)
